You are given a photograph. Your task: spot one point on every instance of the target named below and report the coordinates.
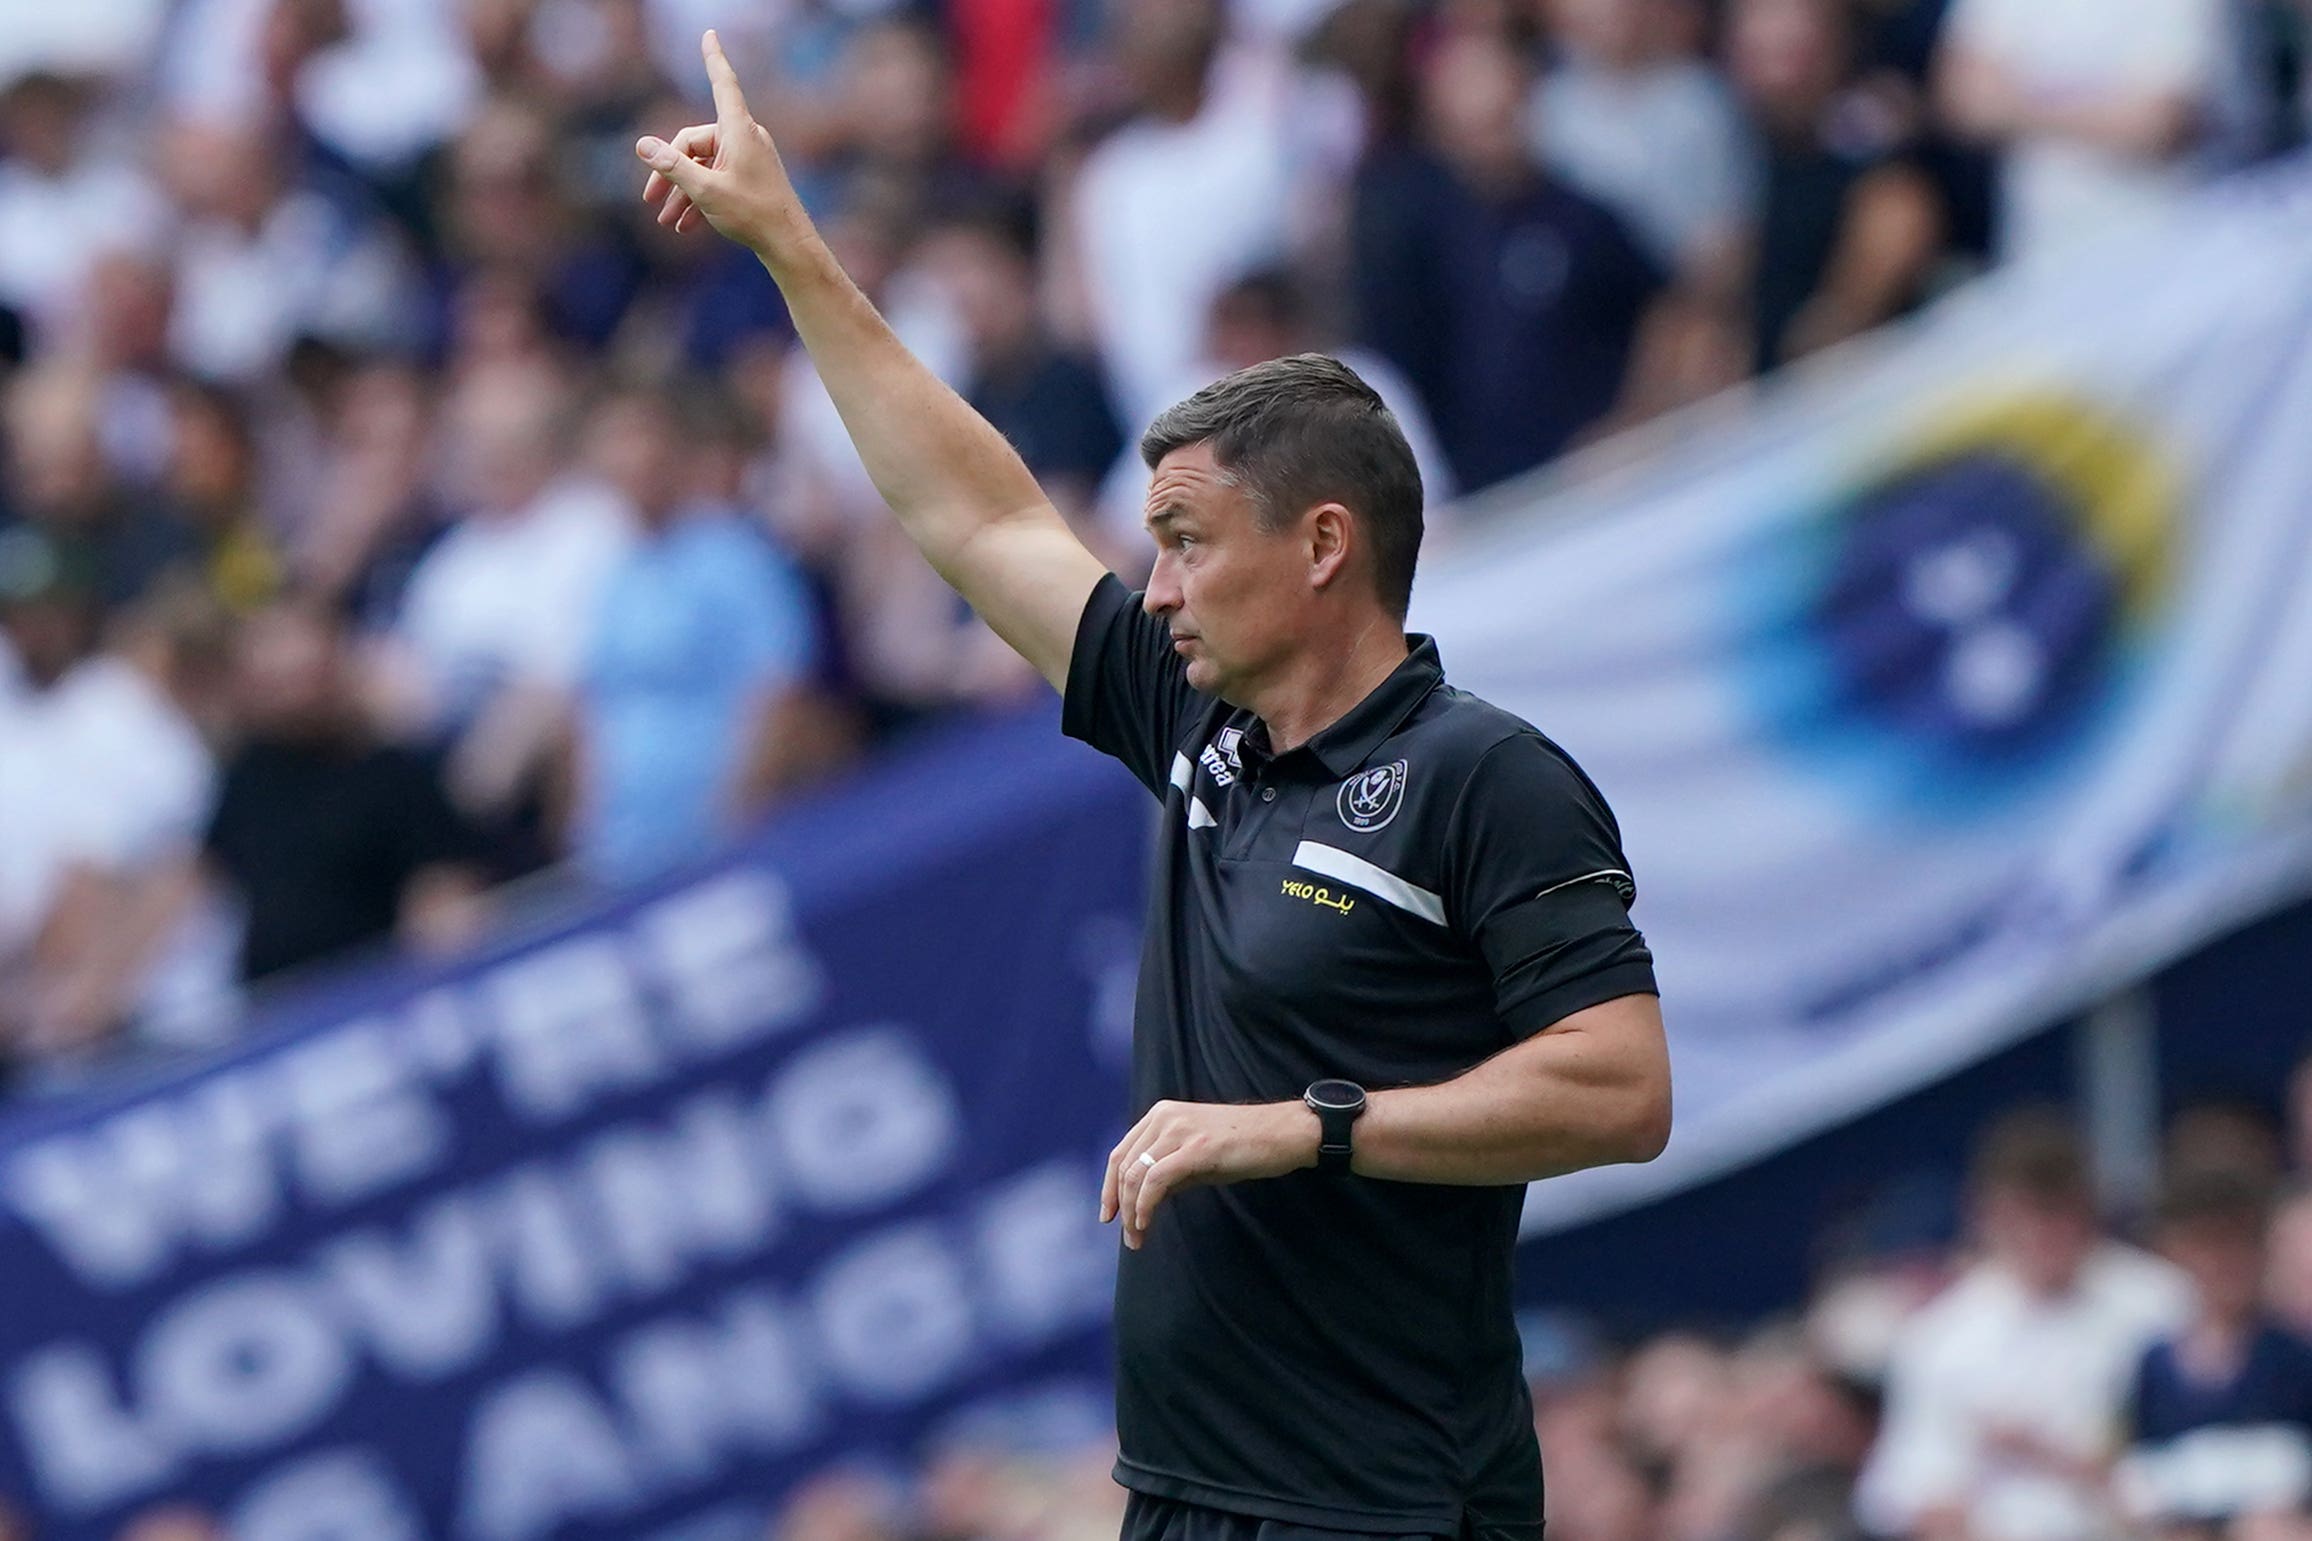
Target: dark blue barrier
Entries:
(622, 1226)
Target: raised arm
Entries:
(961, 493)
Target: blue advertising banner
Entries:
(622, 1227)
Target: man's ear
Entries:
(1327, 537)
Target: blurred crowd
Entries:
(2057, 1374)
(392, 511)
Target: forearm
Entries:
(945, 471)
(1569, 1098)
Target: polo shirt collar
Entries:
(1346, 744)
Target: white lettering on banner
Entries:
(571, 1028)
(440, 1035)
(894, 1315)
(701, 1395)
(360, 1120)
(426, 1308)
(255, 1359)
(726, 954)
(115, 1198)
(1047, 1270)
(353, 1111)
(86, 1449)
(555, 1277)
(243, 1363)
(544, 1452)
(859, 1120)
(335, 1495)
(699, 1188)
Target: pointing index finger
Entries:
(730, 104)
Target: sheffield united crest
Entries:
(1371, 798)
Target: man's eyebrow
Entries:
(1165, 515)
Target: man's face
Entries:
(2044, 1243)
(1231, 592)
(2224, 1260)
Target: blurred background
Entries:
(554, 983)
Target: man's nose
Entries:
(1163, 596)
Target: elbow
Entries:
(1644, 1130)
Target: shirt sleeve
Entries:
(1538, 881)
(1128, 693)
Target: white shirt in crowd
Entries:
(2057, 191)
(310, 269)
(53, 228)
(511, 597)
(86, 37)
(1663, 146)
(1988, 1355)
(1169, 214)
(401, 81)
(101, 770)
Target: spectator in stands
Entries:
(266, 257)
(1847, 225)
(210, 489)
(118, 541)
(121, 342)
(48, 618)
(373, 513)
(1190, 193)
(897, 149)
(691, 708)
(2095, 106)
(2219, 1422)
(1045, 397)
(515, 244)
(122, 742)
(499, 611)
(2289, 1286)
(1649, 132)
(1507, 298)
(2003, 1392)
(2224, 1134)
(331, 838)
(63, 201)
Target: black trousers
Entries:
(1148, 1518)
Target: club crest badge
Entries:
(1371, 798)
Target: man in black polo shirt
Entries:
(1390, 973)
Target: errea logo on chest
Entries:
(1370, 799)
(1219, 758)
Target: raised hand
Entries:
(726, 172)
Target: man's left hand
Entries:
(1191, 1144)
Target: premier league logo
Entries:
(1371, 798)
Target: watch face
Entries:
(1336, 1094)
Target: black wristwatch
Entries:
(1338, 1105)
